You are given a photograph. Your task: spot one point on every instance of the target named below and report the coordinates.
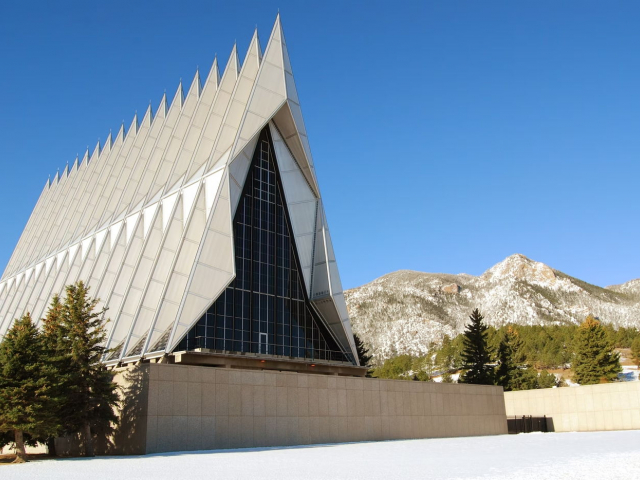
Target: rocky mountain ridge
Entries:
(406, 311)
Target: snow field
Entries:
(593, 455)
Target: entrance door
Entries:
(263, 343)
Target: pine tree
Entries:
(363, 353)
(56, 347)
(27, 387)
(396, 368)
(512, 373)
(447, 378)
(635, 350)
(595, 361)
(475, 355)
(547, 380)
(77, 333)
(448, 355)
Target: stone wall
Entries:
(612, 406)
(201, 408)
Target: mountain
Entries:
(406, 311)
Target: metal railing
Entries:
(528, 424)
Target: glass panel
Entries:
(265, 309)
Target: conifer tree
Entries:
(448, 355)
(595, 361)
(512, 372)
(56, 347)
(27, 389)
(395, 368)
(363, 353)
(635, 350)
(447, 378)
(547, 380)
(76, 332)
(476, 355)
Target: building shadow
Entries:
(129, 436)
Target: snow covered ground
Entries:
(596, 455)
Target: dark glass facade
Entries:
(265, 309)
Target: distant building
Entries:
(201, 228)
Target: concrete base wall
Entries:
(130, 435)
(199, 408)
(612, 406)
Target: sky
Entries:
(446, 135)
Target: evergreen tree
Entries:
(476, 355)
(635, 350)
(395, 368)
(448, 355)
(76, 332)
(447, 378)
(422, 368)
(27, 390)
(512, 373)
(547, 380)
(363, 353)
(595, 361)
(56, 347)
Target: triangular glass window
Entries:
(265, 310)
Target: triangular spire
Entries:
(74, 167)
(109, 140)
(196, 83)
(162, 108)
(233, 64)
(106, 148)
(148, 117)
(119, 140)
(96, 152)
(85, 157)
(133, 128)
(214, 74)
(179, 96)
(254, 53)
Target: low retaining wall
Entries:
(177, 408)
(612, 406)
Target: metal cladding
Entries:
(146, 219)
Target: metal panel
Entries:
(161, 271)
(199, 118)
(176, 141)
(212, 270)
(153, 163)
(234, 114)
(220, 104)
(269, 93)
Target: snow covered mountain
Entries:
(405, 311)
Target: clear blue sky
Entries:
(447, 135)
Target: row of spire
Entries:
(179, 95)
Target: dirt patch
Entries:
(7, 459)
(625, 357)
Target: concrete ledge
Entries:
(258, 362)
